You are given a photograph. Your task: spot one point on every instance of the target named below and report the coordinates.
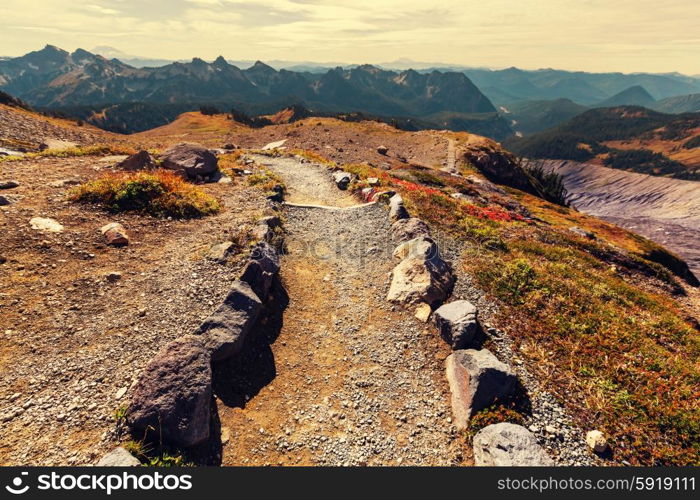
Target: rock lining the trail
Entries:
(508, 445)
(408, 229)
(416, 279)
(418, 248)
(262, 268)
(457, 323)
(225, 330)
(477, 380)
(397, 210)
(119, 457)
(172, 399)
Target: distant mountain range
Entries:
(107, 89)
(512, 85)
(54, 78)
(528, 117)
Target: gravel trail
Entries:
(306, 183)
(354, 380)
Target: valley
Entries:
(664, 210)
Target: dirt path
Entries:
(350, 379)
(450, 163)
(311, 186)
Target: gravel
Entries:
(383, 399)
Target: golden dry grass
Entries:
(160, 193)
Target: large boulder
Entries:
(190, 160)
(224, 331)
(139, 161)
(172, 398)
(261, 269)
(457, 323)
(508, 445)
(416, 279)
(408, 229)
(396, 209)
(477, 380)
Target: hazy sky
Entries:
(591, 35)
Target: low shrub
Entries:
(265, 180)
(158, 456)
(622, 358)
(494, 415)
(548, 184)
(645, 162)
(692, 143)
(160, 193)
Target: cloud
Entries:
(101, 10)
(625, 35)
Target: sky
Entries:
(589, 35)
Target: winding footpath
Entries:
(351, 379)
(450, 165)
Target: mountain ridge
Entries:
(52, 78)
(625, 137)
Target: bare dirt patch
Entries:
(71, 337)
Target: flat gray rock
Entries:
(508, 445)
(118, 457)
(220, 251)
(408, 229)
